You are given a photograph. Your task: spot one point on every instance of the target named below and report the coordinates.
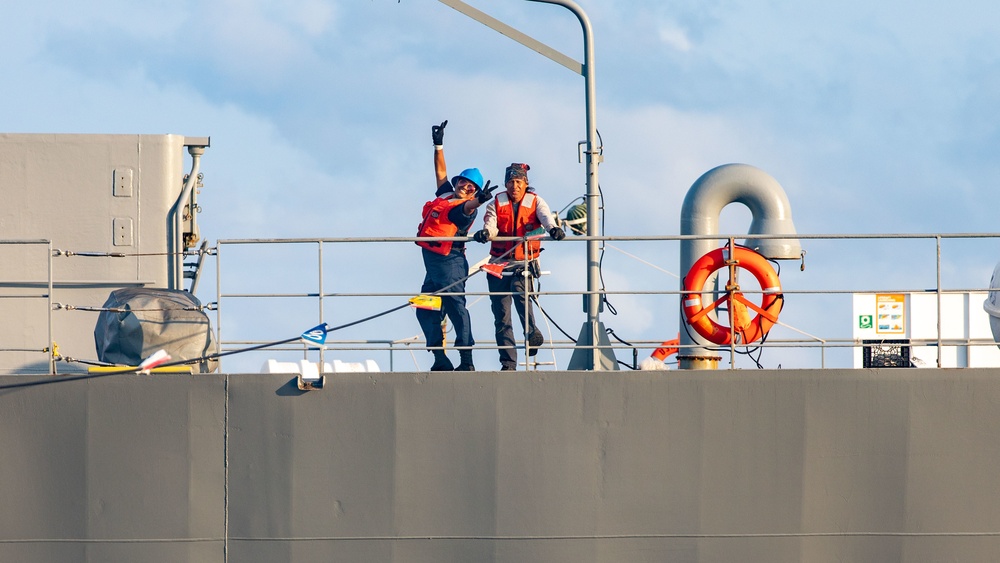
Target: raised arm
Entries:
(440, 169)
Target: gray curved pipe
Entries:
(714, 190)
(177, 243)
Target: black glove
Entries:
(482, 236)
(486, 193)
(556, 233)
(437, 133)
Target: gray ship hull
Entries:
(762, 465)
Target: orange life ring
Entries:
(668, 348)
(747, 330)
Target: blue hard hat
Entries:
(471, 174)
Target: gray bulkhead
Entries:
(103, 194)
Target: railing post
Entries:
(937, 288)
(52, 345)
(218, 299)
(322, 315)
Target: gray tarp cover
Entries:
(151, 319)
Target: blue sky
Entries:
(874, 117)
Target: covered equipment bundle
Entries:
(137, 322)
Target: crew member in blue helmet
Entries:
(450, 214)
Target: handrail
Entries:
(47, 285)
(326, 292)
(812, 338)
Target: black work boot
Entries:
(535, 341)
(466, 363)
(508, 367)
(441, 362)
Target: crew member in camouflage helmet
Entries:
(515, 213)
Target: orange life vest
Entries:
(437, 224)
(510, 226)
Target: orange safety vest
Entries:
(437, 224)
(510, 226)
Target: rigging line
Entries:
(650, 264)
(612, 333)
(230, 352)
(790, 327)
(547, 316)
(600, 260)
(94, 254)
(70, 360)
(375, 316)
(618, 338)
(58, 306)
(136, 370)
(65, 378)
(218, 354)
(329, 329)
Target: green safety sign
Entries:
(865, 321)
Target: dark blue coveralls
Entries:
(442, 271)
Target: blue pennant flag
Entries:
(315, 335)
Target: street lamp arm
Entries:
(588, 34)
(504, 29)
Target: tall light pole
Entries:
(587, 354)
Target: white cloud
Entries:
(674, 37)
(315, 17)
(260, 39)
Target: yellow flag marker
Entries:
(431, 302)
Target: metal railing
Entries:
(342, 280)
(816, 339)
(28, 292)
